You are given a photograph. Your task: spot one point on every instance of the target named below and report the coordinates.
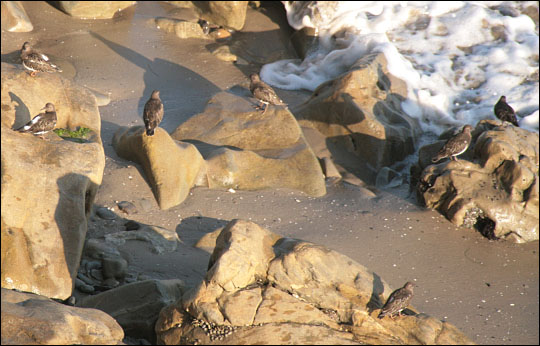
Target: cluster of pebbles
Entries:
(214, 331)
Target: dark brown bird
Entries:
(153, 113)
(504, 112)
(398, 300)
(43, 122)
(263, 92)
(456, 145)
(36, 62)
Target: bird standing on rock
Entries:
(398, 300)
(504, 112)
(455, 145)
(36, 62)
(263, 92)
(153, 113)
(43, 122)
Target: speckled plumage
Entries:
(504, 112)
(35, 61)
(456, 145)
(398, 300)
(41, 123)
(264, 92)
(153, 113)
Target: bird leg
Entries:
(264, 111)
(33, 73)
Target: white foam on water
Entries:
(445, 51)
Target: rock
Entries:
(162, 240)
(224, 53)
(305, 41)
(136, 306)
(105, 213)
(132, 225)
(145, 204)
(330, 170)
(181, 28)
(93, 9)
(48, 185)
(495, 190)
(114, 268)
(360, 112)
(261, 288)
(29, 319)
(14, 17)
(171, 167)
(245, 149)
(127, 207)
(231, 14)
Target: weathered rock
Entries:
(162, 240)
(171, 167)
(245, 149)
(181, 28)
(495, 190)
(224, 53)
(261, 288)
(93, 9)
(136, 306)
(29, 319)
(105, 213)
(360, 111)
(48, 185)
(231, 14)
(127, 207)
(14, 17)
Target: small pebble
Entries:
(105, 213)
(127, 207)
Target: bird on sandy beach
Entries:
(263, 92)
(504, 112)
(43, 122)
(456, 145)
(398, 300)
(36, 62)
(153, 113)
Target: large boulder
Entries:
(493, 187)
(245, 149)
(262, 288)
(171, 167)
(360, 112)
(93, 9)
(29, 319)
(231, 14)
(48, 185)
(14, 17)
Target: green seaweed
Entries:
(78, 135)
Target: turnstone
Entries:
(153, 113)
(456, 145)
(205, 26)
(263, 92)
(398, 300)
(36, 62)
(504, 112)
(42, 123)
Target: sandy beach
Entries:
(488, 289)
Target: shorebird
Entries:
(263, 92)
(398, 300)
(153, 113)
(42, 123)
(36, 62)
(504, 112)
(456, 145)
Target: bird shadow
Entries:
(22, 113)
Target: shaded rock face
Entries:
(29, 319)
(14, 17)
(181, 28)
(48, 185)
(494, 185)
(361, 112)
(261, 288)
(171, 167)
(231, 14)
(245, 149)
(93, 9)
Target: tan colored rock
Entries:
(181, 28)
(93, 9)
(29, 319)
(14, 17)
(245, 149)
(162, 239)
(137, 316)
(264, 289)
(360, 111)
(231, 14)
(171, 167)
(48, 185)
(495, 191)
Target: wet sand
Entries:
(488, 289)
